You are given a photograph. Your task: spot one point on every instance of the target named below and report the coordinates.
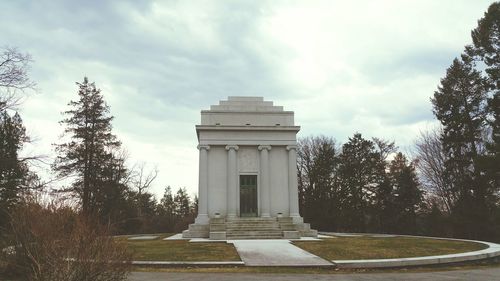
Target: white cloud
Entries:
(342, 66)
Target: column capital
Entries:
(261, 147)
(290, 147)
(235, 147)
(206, 147)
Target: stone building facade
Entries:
(247, 164)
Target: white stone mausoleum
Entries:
(247, 172)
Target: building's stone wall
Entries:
(247, 136)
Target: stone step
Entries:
(291, 234)
(255, 231)
(254, 236)
(194, 234)
(217, 220)
(198, 227)
(252, 228)
(309, 233)
(217, 235)
(217, 227)
(251, 220)
(252, 225)
(257, 228)
(285, 220)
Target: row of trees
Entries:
(362, 185)
(144, 214)
(15, 177)
(467, 104)
(108, 190)
(354, 187)
(112, 197)
(452, 186)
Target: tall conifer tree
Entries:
(13, 171)
(360, 179)
(459, 104)
(317, 166)
(407, 194)
(486, 48)
(88, 154)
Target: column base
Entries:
(202, 219)
(265, 215)
(296, 218)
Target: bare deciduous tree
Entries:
(141, 180)
(14, 79)
(430, 164)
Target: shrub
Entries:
(54, 243)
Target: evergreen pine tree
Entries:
(166, 205)
(359, 177)
(88, 155)
(486, 43)
(459, 104)
(408, 196)
(181, 203)
(166, 209)
(13, 171)
(486, 48)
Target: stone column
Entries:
(202, 217)
(264, 181)
(293, 192)
(232, 180)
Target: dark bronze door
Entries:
(248, 195)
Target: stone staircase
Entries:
(258, 228)
(253, 228)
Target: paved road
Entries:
(485, 274)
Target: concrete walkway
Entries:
(275, 253)
(484, 274)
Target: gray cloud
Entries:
(342, 67)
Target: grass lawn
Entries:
(180, 250)
(364, 247)
(340, 248)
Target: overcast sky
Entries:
(342, 66)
